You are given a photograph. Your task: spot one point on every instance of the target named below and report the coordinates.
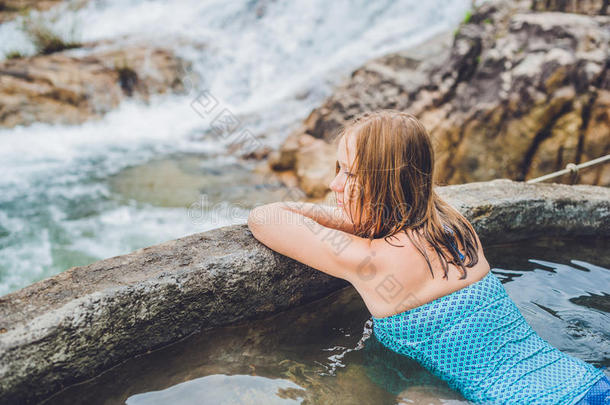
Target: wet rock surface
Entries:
(74, 86)
(74, 325)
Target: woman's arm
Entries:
(300, 237)
(326, 215)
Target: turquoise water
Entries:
(323, 353)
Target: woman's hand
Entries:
(326, 215)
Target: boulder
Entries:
(65, 88)
(518, 94)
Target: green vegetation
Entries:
(466, 20)
(14, 55)
(40, 31)
(467, 17)
(487, 21)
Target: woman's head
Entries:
(385, 177)
(385, 169)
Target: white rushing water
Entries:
(268, 62)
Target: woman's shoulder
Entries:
(405, 280)
(389, 281)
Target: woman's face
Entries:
(344, 184)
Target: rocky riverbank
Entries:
(70, 82)
(65, 88)
(518, 94)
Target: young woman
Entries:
(419, 267)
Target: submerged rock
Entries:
(72, 326)
(192, 180)
(65, 88)
(518, 95)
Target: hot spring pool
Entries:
(324, 353)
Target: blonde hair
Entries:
(394, 187)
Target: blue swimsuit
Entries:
(477, 341)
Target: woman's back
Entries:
(477, 340)
(404, 268)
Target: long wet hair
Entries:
(393, 188)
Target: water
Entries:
(62, 203)
(323, 353)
